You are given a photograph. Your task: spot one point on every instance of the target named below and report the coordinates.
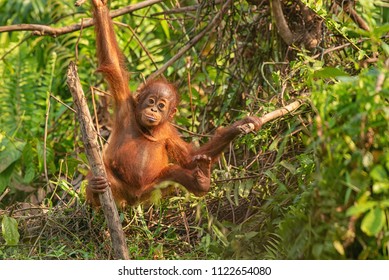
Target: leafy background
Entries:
(312, 185)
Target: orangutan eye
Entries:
(151, 101)
(161, 106)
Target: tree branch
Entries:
(45, 30)
(92, 151)
(187, 9)
(282, 26)
(282, 111)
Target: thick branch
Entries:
(89, 137)
(45, 30)
(282, 25)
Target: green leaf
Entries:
(288, 166)
(11, 153)
(339, 247)
(236, 193)
(317, 249)
(373, 222)
(28, 160)
(10, 230)
(384, 203)
(165, 27)
(387, 157)
(329, 72)
(379, 173)
(274, 145)
(360, 208)
(250, 235)
(72, 164)
(385, 47)
(5, 177)
(381, 30)
(220, 235)
(381, 187)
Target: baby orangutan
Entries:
(144, 148)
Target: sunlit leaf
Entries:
(165, 27)
(329, 72)
(381, 187)
(360, 208)
(379, 173)
(384, 203)
(339, 247)
(373, 222)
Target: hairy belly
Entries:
(138, 164)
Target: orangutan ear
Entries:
(172, 113)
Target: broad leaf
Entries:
(10, 230)
(373, 222)
(5, 177)
(379, 173)
(11, 153)
(330, 72)
(360, 208)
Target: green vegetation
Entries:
(311, 185)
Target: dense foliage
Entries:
(312, 185)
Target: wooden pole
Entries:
(93, 154)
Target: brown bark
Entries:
(301, 27)
(92, 151)
(282, 26)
